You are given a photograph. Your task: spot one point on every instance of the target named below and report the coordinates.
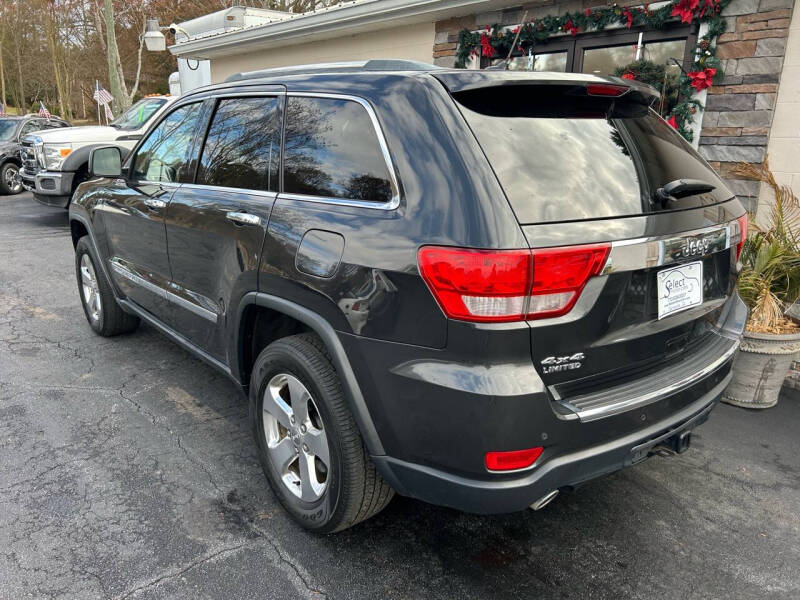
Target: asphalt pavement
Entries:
(127, 470)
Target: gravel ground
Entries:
(127, 470)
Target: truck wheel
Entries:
(99, 305)
(308, 443)
(10, 182)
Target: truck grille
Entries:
(27, 155)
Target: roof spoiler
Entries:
(467, 80)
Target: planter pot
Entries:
(759, 369)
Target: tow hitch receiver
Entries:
(682, 441)
(677, 444)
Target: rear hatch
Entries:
(585, 162)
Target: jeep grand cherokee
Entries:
(472, 288)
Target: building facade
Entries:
(753, 111)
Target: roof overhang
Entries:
(348, 18)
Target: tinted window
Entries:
(563, 158)
(242, 149)
(332, 150)
(166, 149)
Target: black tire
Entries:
(355, 491)
(5, 188)
(111, 319)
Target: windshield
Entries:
(7, 129)
(138, 114)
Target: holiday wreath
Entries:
(496, 42)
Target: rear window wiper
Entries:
(681, 188)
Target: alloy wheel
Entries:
(91, 291)
(12, 179)
(297, 443)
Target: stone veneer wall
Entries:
(738, 115)
(739, 112)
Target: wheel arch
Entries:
(311, 322)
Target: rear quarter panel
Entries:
(448, 196)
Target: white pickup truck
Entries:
(54, 162)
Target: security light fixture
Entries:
(155, 40)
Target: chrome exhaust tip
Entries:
(544, 500)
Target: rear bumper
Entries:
(567, 471)
(437, 418)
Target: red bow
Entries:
(486, 47)
(629, 15)
(685, 10)
(701, 80)
(570, 28)
(673, 122)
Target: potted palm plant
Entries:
(769, 284)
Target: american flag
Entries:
(102, 96)
(43, 112)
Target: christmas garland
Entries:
(495, 42)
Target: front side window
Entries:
(138, 114)
(242, 149)
(332, 150)
(166, 149)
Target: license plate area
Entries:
(679, 287)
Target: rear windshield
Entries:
(563, 158)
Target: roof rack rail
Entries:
(337, 67)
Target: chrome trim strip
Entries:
(247, 94)
(128, 274)
(391, 204)
(125, 272)
(218, 188)
(342, 201)
(657, 251)
(592, 414)
(192, 307)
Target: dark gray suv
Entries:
(473, 288)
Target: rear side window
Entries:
(242, 149)
(165, 151)
(332, 150)
(565, 158)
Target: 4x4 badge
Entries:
(556, 364)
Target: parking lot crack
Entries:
(183, 569)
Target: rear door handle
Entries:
(154, 203)
(243, 218)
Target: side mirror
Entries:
(105, 162)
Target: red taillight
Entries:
(509, 285)
(559, 275)
(742, 234)
(605, 89)
(515, 459)
(478, 285)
